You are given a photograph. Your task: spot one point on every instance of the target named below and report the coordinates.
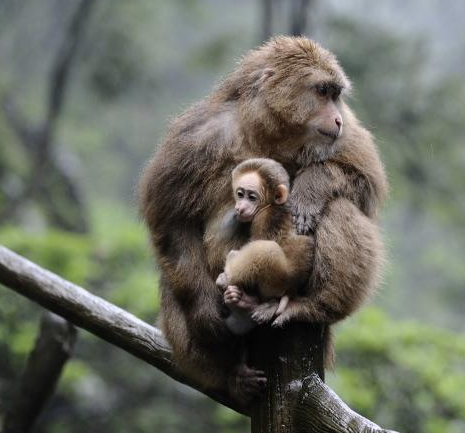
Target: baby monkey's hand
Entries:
(235, 297)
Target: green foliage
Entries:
(66, 254)
(407, 376)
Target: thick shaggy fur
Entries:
(265, 108)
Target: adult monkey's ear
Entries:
(264, 75)
(281, 194)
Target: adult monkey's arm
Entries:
(185, 272)
(348, 256)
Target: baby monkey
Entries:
(276, 262)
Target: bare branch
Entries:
(64, 60)
(45, 172)
(27, 135)
(96, 315)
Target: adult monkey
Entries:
(282, 102)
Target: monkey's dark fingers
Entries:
(303, 225)
(300, 223)
(251, 388)
(252, 381)
(247, 382)
(256, 385)
(252, 372)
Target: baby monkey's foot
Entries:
(265, 312)
(235, 297)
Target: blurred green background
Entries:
(86, 91)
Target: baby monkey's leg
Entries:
(259, 263)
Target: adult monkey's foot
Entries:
(265, 312)
(235, 297)
(246, 383)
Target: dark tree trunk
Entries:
(299, 16)
(267, 19)
(287, 356)
(52, 349)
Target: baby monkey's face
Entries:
(250, 196)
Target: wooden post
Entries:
(296, 399)
(287, 356)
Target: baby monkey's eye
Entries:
(240, 193)
(253, 197)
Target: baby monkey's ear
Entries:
(281, 194)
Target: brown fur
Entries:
(265, 108)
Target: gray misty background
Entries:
(86, 91)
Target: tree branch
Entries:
(97, 316)
(46, 171)
(64, 60)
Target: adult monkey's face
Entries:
(300, 84)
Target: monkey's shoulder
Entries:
(205, 126)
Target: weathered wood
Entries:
(96, 315)
(319, 409)
(296, 399)
(53, 347)
(286, 355)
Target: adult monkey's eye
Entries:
(336, 93)
(322, 90)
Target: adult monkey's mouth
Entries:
(328, 134)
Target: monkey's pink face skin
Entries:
(249, 194)
(328, 122)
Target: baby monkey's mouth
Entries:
(244, 218)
